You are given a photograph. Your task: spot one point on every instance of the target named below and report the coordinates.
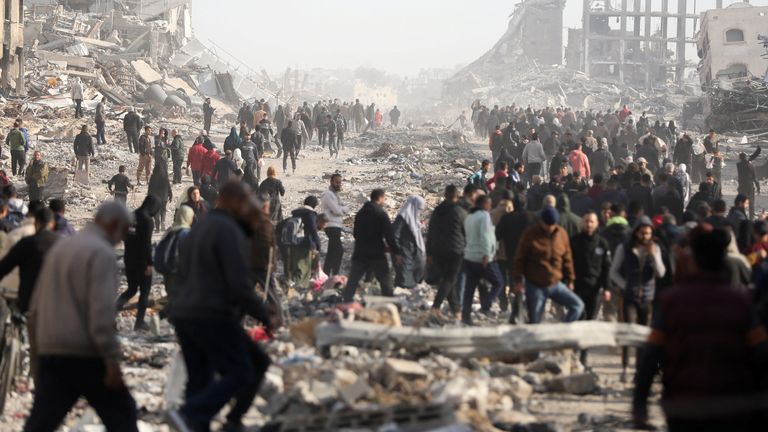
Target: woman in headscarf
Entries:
(160, 187)
(232, 141)
(681, 173)
(275, 189)
(195, 201)
(410, 241)
(182, 223)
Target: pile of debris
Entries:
(138, 55)
(739, 104)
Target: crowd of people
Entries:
(595, 212)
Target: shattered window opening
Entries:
(734, 35)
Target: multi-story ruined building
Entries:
(728, 44)
(12, 41)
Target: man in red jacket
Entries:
(195, 160)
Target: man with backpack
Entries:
(167, 251)
(300, 235)
(372, 229)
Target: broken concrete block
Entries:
(574, 384)
(520, 390)
(303, 332)
(555, 364)
(355, 391)
(325, 393)
(395, 369)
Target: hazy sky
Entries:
(399, 36)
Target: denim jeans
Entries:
(536, 298)
(475, 272)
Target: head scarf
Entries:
(411, 214)
(183, 218)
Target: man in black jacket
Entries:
(84, 150)
(372, 229)
(132, 125)
(177, 155)
(28, 255)
(222, 361)
(288, 138)
(445, 249)
(592, 264)
(224, 169)
(509, 231)
(138, 259)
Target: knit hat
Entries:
(641, 222)
(550, 216)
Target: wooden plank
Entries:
(494, 342)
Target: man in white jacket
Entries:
(77, 96)
(533, 157)
(331, 205)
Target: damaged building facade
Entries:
(12, 41)
(733, 67)
(634, 41)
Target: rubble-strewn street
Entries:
(550, 237)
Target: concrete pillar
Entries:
(587, 6)
(623, 21)
(719, 4)
(647, 37)
(682, 7)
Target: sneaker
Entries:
(177, 422)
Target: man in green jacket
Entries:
(36, 177)
(17, 143)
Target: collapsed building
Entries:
(12, 42)
(733, 67)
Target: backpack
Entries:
(166, 260)
(292, 233)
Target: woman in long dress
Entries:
(410, 241)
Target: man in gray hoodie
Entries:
(72, 317)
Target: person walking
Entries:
(533, 157)
(36, 177)
(445, 250)
(274, 188)
(73, 322)
(132, 125)
(592, 265)
(160, 186)
(77, 96)
(18, 145)
(222, 361)
(371, 231)
(637, 264)
(27, 254)
(335, 210)
(101, 121)
(84, 151)
(138, 259)
(707, 343)
(145, 155)
(195, 160)
(168, 250)
(208, 111)
(410, 242)
(480, 258)
(288, 139)
(579, 162)
(119, 185)
(62, 226)
(177, 155)
(301, 256)
(509, 231)
(544, 263)
(748, 182)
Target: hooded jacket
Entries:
(542, 258)
(83, 144)
(213, 287)
(195, 157)
(570, 222)
(308, 217)
(332, 206)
